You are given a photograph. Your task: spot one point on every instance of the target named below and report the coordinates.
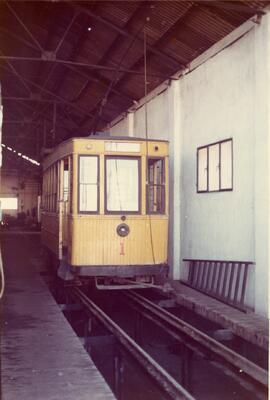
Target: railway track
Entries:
(182, 332)
(175, 325)
(166, 381)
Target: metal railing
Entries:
(223, 280)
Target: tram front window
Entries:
(122, 184)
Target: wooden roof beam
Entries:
(123, 32)
(170, 32)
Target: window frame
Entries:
(50, 189)
(120, 212)
(66, 193)
(163, 185)
(98, 185)
(54, 188)
(219, 143)
(71, 183)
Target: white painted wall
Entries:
(218, 103)
(157, 118)
(227, 96)
(120, 129)
(261, 159)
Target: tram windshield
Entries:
(122, 184)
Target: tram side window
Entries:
(155, 186)
(44, 192)
(88, 184)
(66, 181)
(71, 183)
(54, 188)
(122, 185)
(47, 190)
(50, 191)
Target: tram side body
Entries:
(105, 207)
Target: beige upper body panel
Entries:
(107, 146)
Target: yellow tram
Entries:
(105, 207)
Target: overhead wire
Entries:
(2, 275)
(146, 136)
(103, 101)
(113, 81)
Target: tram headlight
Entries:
(122, 230)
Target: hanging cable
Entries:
(146, 136)
(2, 276)
(113, 82)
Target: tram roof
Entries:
(116, 138)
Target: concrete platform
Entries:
(41, 357)
(251, 327)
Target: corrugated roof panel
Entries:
(118, 12)
(230, 15)
(90, 98)
(192, 39)
(179, 30)
(163, 15)
(98, 42)
(175, 46)
(257, 5)
(129, 55)
(208, 23)
(72, 85)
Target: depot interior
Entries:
(195, 73)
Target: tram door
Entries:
(64, 206)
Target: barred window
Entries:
(66, 181)
(50, 189)
(155, 191)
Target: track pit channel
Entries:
(200, 372)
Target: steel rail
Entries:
(244, 365)
(194, 348)
(164, 380)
